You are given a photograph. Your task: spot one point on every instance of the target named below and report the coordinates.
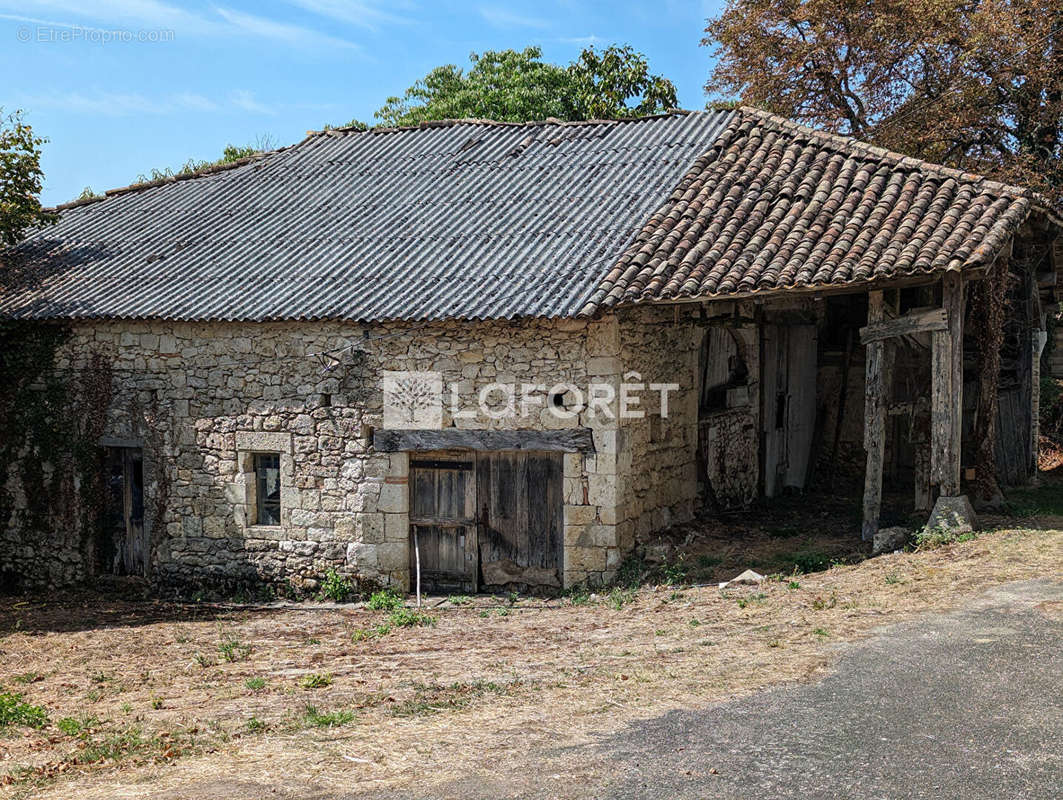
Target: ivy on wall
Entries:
(51, 421)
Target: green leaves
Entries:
(518, 86)
(20, 180)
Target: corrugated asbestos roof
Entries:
(776, 206)
(481, 220)
(463, 220)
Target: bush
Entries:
(335, 587)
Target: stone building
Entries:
(497, 355)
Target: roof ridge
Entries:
(209, 169)
(451, 123)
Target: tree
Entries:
(518, 86)
(21, 180)
(975, 84)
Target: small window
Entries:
(268, 488)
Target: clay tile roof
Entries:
(774, 206)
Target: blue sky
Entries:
(197, 76)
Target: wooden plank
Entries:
(802, 353)
(568, 440)
(911, 323)
(947, 391)
(878, 380)
(771, 386)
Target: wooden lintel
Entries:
(913, 322)
(566, 440)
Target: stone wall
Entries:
(201, 399)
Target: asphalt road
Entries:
(966, 705)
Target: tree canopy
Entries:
(976, 84)
(518, 86)
(21, 179)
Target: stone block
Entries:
(580, 515)
(394, 498)
(264, 441)
(393, 555)
(953, 514)
(889, 539)
(396, 527)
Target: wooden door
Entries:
(521, 532)
(443, 524)
(122, 546)
(788, 416)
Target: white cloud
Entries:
(503, 18)
(245, 100)
(157, 15)
(120, 104)
(278, 31)
(589, 40)
(353, 12)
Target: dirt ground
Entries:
(167, 700)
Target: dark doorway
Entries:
(122, 547)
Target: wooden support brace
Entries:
(879, 381)
(914, 322)
(946, 391)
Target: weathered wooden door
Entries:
(122, 544)
(443, 523)
(521, 531)
(789, 404)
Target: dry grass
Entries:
(483, 686)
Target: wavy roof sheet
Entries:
(478, 220)
(453, 220)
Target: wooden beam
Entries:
(879, 374)
(567, 440)
(946, 391)
(933, 319)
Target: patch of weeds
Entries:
(929, 538)
(512, 598)
(618, 598)
(793, 585)
(660, 632)
(125, 708)
(27, 677)
(255, 684)
(484, 614)
(376, 632)
(821, 632)
(77, 727)
(14, 711)
(314, 718)
(436, 698)
(694, 623)
(114, 747)
(892, 578)
(316, 680)
(773, 643)
(204, 660)
(410, 618)
(233, 649)
(311, 641)
(335, 587)
(503, 612)
(255, 725)
(819, 603)
(100, 676)
(156, 702)
(458, 599)
(1041, 501)
(806, 560)
(385, 600)
(675, 572)
(744, 602)
(578, 596)
(631, 573)
(94, 696)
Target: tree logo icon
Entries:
(413, 400)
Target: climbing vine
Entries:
(51, 420)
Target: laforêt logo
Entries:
(413, 400)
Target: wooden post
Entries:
(879, 381)
(947, 390)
